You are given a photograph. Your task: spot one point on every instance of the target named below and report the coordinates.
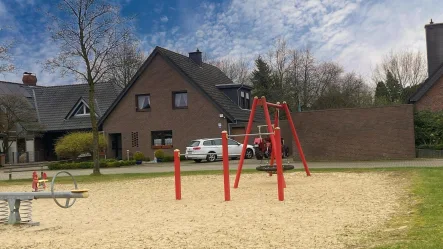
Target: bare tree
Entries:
(308, 69)
(279, 61)
(127, 60)
(87, 32)
(349, 90)
(236, 69)
(17, 117)
(6, 64)
(409, 68)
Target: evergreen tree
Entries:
(381, 94)
(262, 80)
(394, 88)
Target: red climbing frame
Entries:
(262, 102)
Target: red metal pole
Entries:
(277, 124)
(274, 105)
(268, 123)
(294, 133)
(280, 181)
(245, 142)
(178, 191)
(226, 164)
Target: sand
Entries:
(326, 210)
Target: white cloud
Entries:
(354, 33)
(164, 19)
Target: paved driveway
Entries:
(249, 164)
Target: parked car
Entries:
(210, 149)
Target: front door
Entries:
(117, 145)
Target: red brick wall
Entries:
(356, 134)
(200, 120)
(433, 99)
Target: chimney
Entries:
(434, 46)
(196, 57)
(29, 79)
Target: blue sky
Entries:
(354, 33)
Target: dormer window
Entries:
(248, 102)
(244, 100)
(82, 110)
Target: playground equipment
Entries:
(263, 145)
(225, 157)
(20, 203)
(39, 184)
(275, 141)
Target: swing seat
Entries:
(269, 168)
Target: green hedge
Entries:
(431, 147)
(168, 158)
(110, 163)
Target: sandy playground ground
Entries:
(326, 210)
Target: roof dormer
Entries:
(238, 93)
(80, 109)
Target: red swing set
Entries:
(275, 137)
(276, 145)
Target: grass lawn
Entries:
(419, 223)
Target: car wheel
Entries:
(249, 154)
(211, 157)
(197, 160)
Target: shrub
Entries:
(428, 128)
(89, 165)
(74, 144)
(159, 154)
(138, 156)
(168, 158)
(114, 164)
(182, 158)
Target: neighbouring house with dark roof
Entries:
(429, 96)
(171, 100)
(58, 110)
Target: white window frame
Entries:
(84, 113)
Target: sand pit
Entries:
(326, 210)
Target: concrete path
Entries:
(249, 164)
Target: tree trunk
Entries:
(95, 155)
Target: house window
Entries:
(82, 110)
(161, 139)
(134, 139)
(143, 102)
(248, 102)
(180, 100)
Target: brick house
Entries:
(58, 110)
(430, 94)
(171, 100)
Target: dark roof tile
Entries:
(429, 82)
(207, 77)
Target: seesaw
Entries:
(20, 203)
